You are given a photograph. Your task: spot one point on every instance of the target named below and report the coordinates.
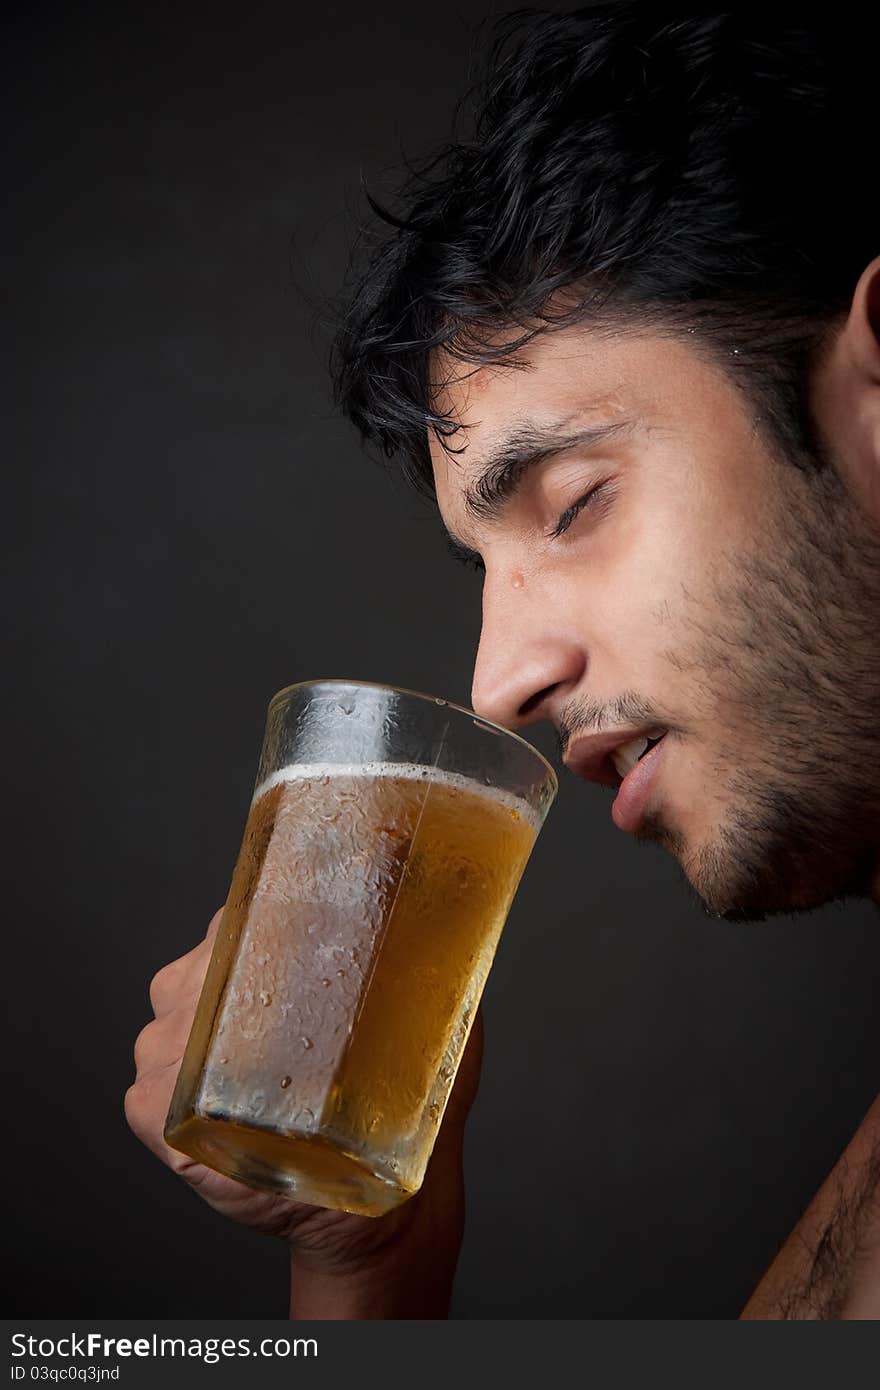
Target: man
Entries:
(628, 336)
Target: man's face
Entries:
(708, 589)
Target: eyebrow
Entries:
(521, 451)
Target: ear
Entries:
(861, 334)
(846, 394)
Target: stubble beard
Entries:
(785, 659)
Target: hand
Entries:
(395, 1258)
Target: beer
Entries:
(362, 920)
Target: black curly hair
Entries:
(628, 165)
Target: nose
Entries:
(527, 664)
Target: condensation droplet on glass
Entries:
(285, 1082)
(325, 983)
(264, 997)
(340, 975)
(307, 1043)
(445, 1073)
(434, 1112)
(223, 1061)
(439, 702)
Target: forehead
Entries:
(562, 376)
(659, 380)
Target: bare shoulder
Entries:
(829, 1267)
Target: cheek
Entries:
(639, 581)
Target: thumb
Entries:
(467, 1080)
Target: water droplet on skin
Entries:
(264, 997)
(306, 1042)
(285, 1082)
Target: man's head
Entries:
(629, 338)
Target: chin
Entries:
(736, 876)
(733, 883)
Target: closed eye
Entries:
(568, 516)
(472, 560)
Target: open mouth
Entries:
(627, 755)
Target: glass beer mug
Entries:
(385, 841)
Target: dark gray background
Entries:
(661, 1094)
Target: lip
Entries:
(628, 809)
(589, 757)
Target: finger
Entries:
(163, 1041)
(183, 976)
(467, 1080)
(146, 1108)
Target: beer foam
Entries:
(414, 772)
